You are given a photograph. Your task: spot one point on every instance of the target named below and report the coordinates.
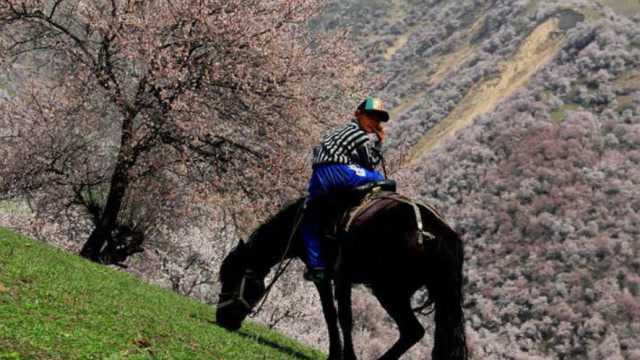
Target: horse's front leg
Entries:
(331, 317)
(343, 295)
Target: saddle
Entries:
(358, 193)
(379, 201)
(330, 209)
(349, 208)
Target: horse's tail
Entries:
(445, 292)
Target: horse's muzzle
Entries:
(228, 323)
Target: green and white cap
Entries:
(376, 106)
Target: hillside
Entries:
(520, 120)
(54, 305)
(536, 51)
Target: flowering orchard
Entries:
(128, 117)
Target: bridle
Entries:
(238, 294)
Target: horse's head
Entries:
(241, 290)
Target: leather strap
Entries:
(372, 196)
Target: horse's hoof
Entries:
(388, 357)
(349, 357)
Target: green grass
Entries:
(54, 305)
(631, 79)
(590, 13)
(4, 87)
(14, 206)
(623, 7)
(532, 7)
(560, 114)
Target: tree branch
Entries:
(44, 20)
(53, 9)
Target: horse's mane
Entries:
(268, 225)
(273, 222)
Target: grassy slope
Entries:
(55, 305)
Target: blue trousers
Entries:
(325, 179)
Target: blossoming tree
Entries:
(130, 112)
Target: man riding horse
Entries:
(346, 158)
(390, 242)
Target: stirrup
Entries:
(317, 275)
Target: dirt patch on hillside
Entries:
(449, 62)
(446, 64)
(397, 45)
(629, 81)
(536, 51)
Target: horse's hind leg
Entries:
(331, 317)
(398, 306)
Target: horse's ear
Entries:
(241, 243)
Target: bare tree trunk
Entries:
(107, 222)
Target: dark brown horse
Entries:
(379, 250)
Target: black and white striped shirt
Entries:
(349, 144)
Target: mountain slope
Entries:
(56, 305)
(536, 51)
(542, 184)
(521, 120)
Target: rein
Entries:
(281, 268)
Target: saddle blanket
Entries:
(381, 200)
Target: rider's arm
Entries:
(368, 153)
